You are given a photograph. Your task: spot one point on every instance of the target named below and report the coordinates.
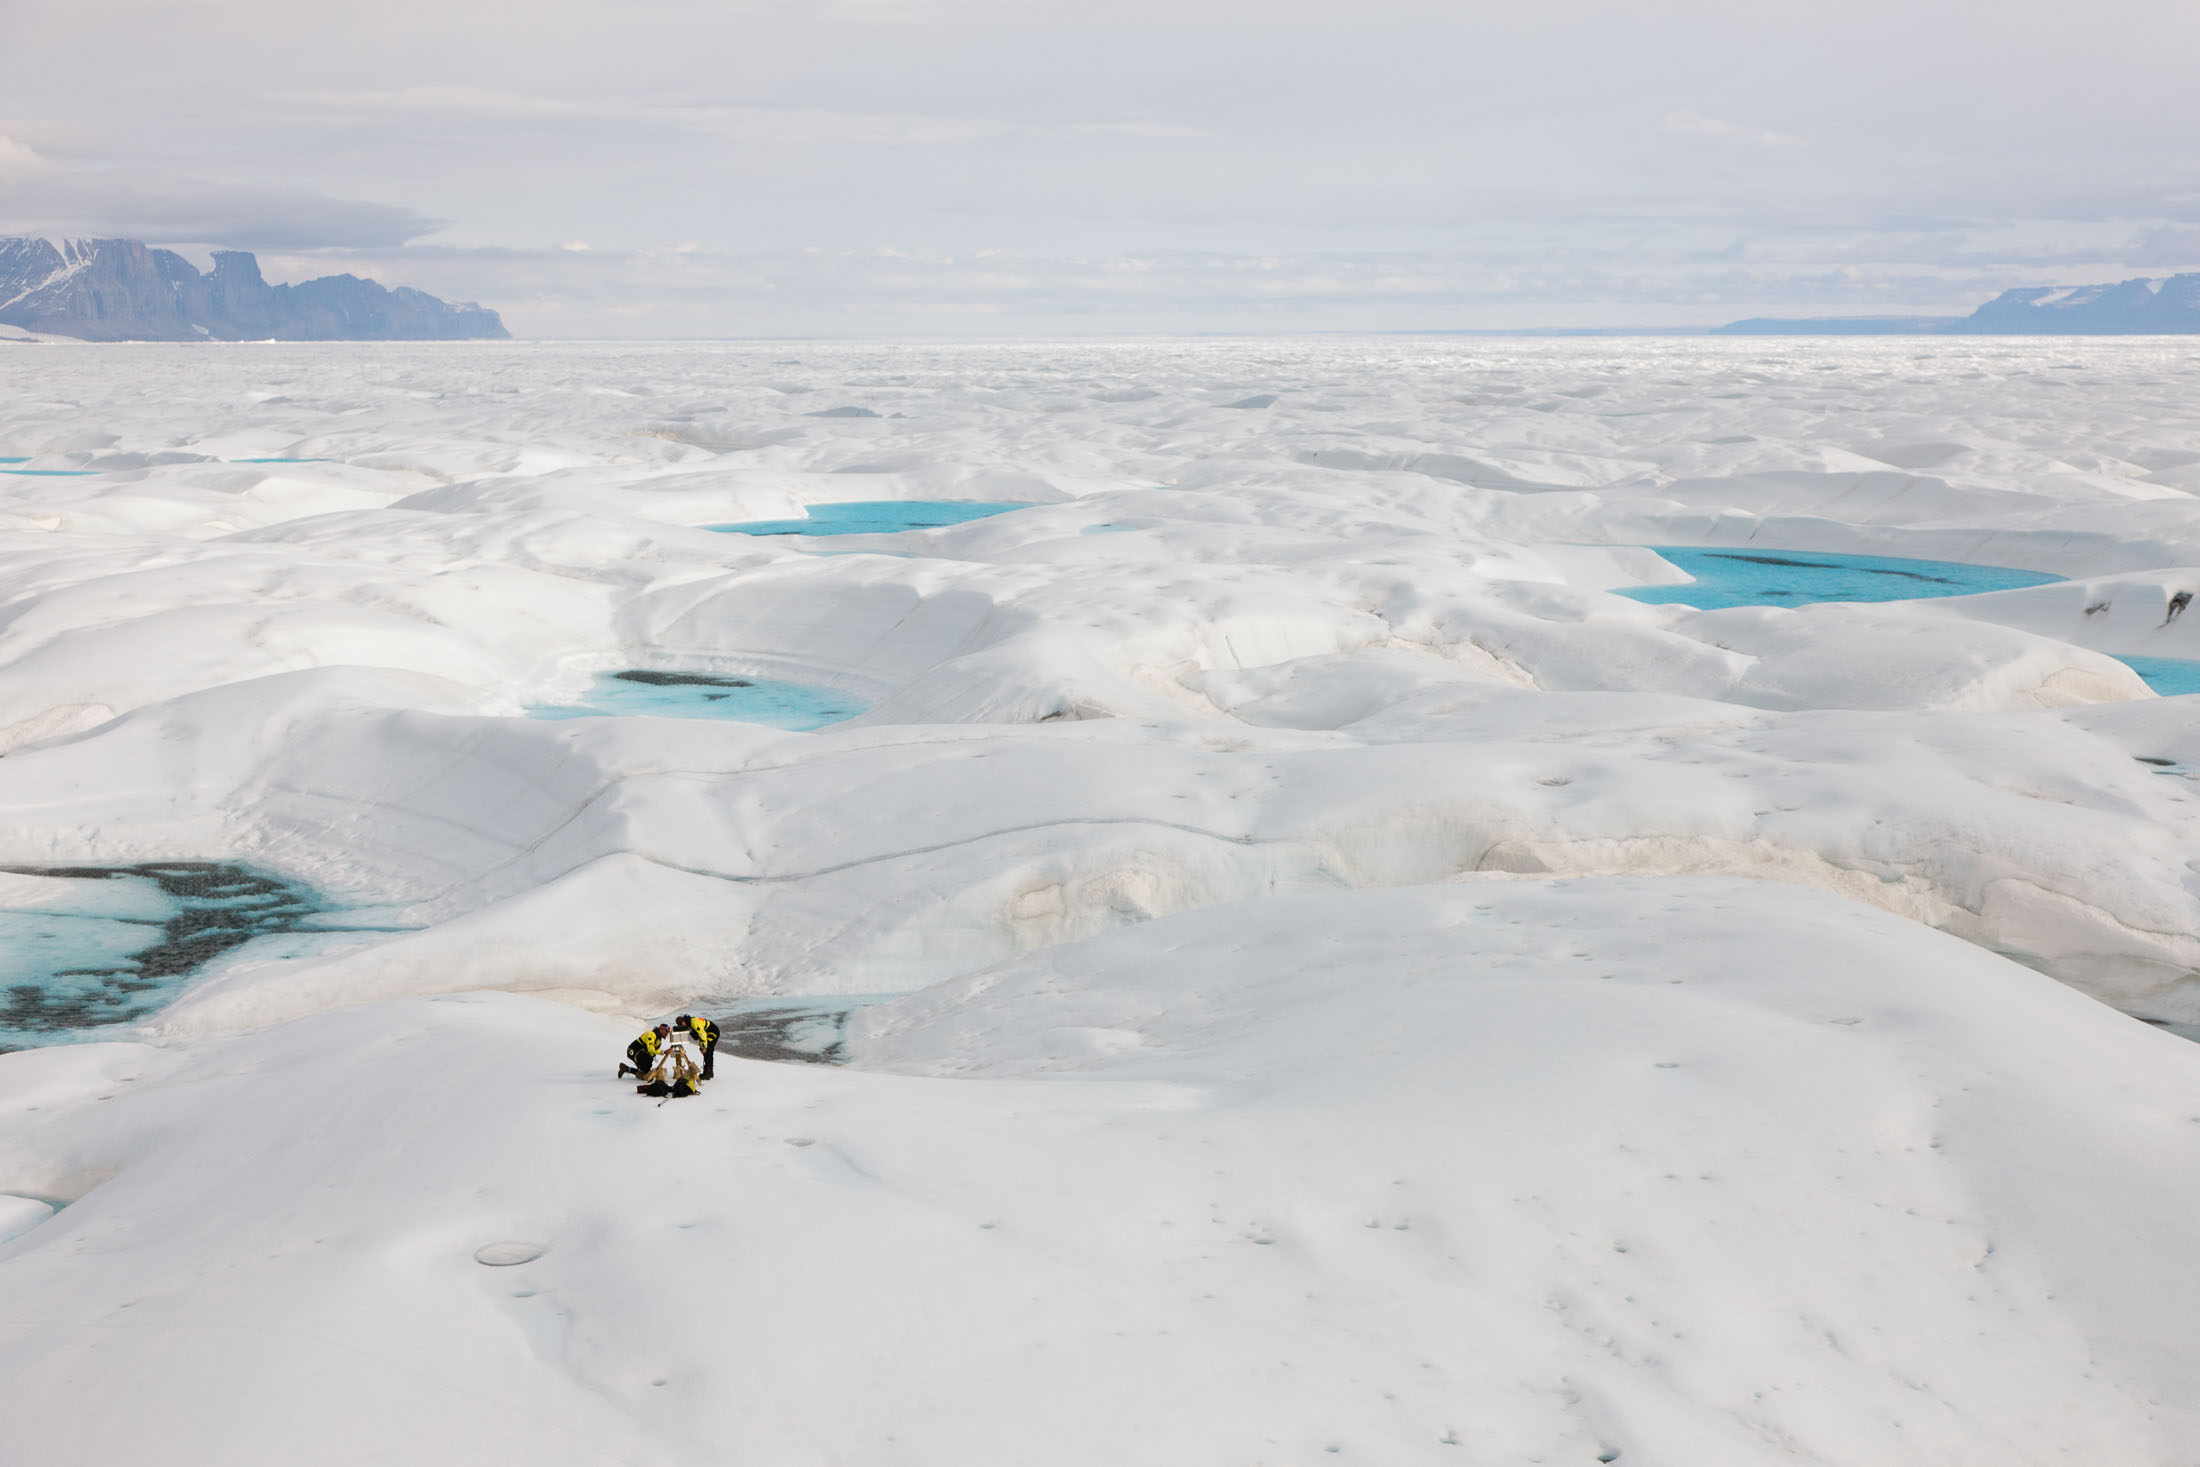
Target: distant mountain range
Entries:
(120, 290)
(2130, 308)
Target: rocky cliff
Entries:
(120, 290)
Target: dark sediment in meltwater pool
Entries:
(796, 707)
(801, 1030)
(85, 947)
(1736, 576)
(876, 517)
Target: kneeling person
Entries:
(641, 1055)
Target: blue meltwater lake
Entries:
(797, 707)
(876, 517)
(1731, 576)
(2168, 676)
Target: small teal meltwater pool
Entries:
(877, 517)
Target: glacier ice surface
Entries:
(1318, 962)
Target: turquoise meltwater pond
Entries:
(1731, 576)
(876, 517)
(797, 707)
(2169, 676)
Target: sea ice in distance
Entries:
(1368, 988)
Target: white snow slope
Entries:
(1371, 992)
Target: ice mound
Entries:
(1677, 1170)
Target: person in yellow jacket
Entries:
(706, 1034)
(641, 1055)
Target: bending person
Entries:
(706, 1034)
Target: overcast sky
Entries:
(765, 167)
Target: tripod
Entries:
(676, 1070)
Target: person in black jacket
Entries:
(641, 1055)
(706, 1034)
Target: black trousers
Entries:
(710, 1056)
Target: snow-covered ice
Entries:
(1371, 987)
